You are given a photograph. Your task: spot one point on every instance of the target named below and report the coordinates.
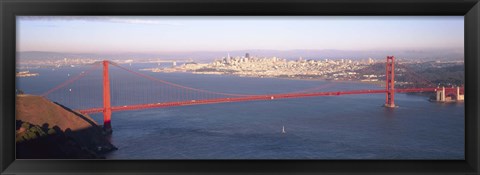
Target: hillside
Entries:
(48, 130)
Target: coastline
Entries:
(379, 83)
(46, 129)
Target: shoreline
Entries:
(378, 83)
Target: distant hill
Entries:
(207, 56)
(48, 130)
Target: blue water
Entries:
(333, 127)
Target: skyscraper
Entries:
(370, 60)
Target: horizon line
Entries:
(237, 50)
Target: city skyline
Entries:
(96, 34)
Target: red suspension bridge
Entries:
(168, 94)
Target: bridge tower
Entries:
(107, 110)
(390, 82)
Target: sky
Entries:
(156, 34)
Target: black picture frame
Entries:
(10, 8)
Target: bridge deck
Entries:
(254, 98)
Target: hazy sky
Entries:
(166, 34)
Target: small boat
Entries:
(283, 129)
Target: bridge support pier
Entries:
(390, 82)
(107, 109)
(441, 95)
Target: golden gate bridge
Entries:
(167, 94)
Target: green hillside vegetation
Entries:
(26, 131)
